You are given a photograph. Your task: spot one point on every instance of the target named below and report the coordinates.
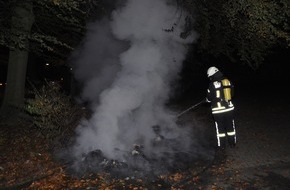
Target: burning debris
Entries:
(165, 157)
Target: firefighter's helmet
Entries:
(211, 71)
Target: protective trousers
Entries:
(225, 129)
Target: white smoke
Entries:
(127, 65)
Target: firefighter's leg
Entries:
(231, 131)
(221, 141)
(220, 131)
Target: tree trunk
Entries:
(21, 23)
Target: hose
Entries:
(190, 108)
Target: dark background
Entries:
(272, 75)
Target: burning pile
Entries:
(136, 163)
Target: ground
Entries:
(261, 159)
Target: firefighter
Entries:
(220, 94)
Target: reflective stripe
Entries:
(231, 133)
(219, 107)
(217, 132)
(221, 135)
(214, 111)
(218, 94)
(234, 130)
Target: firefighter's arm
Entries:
(208, 96)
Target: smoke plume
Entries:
(127, 65)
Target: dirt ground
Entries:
(261, 159)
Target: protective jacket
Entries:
(220, 93)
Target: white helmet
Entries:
(211, 71)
